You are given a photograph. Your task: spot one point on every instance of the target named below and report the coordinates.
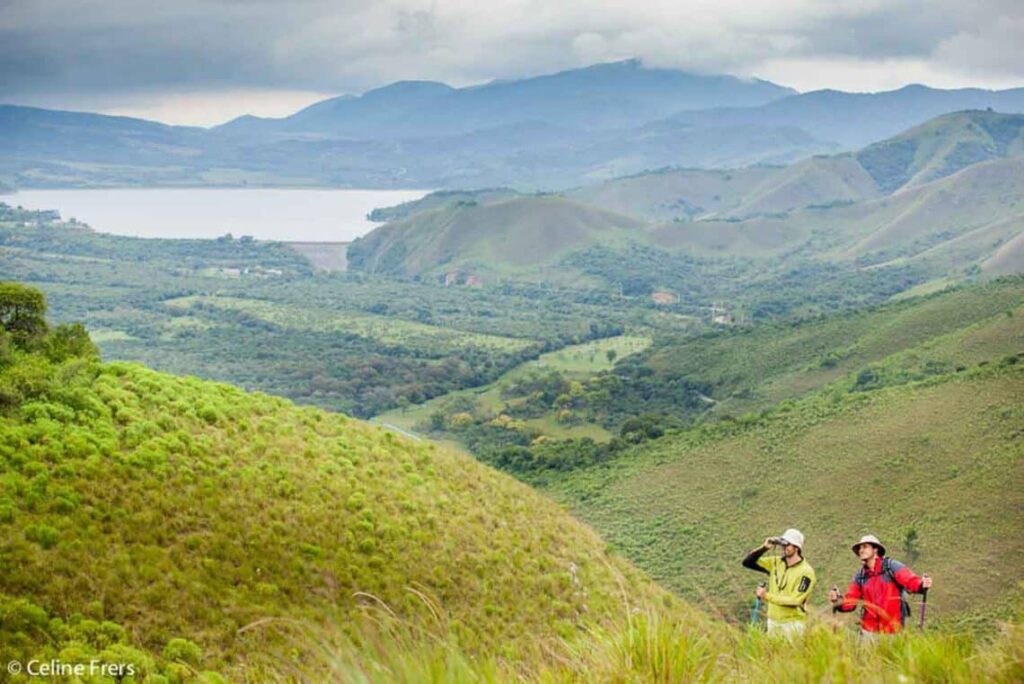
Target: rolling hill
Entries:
(168, 518)
(919, 465)
(942, 147)
(752, 369)
(941, 199)
(518, 233)
(903, 421)
(931, 151)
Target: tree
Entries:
(68, 341)
(22, 313)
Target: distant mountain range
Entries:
(556, 131)
(604, 96)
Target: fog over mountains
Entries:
(563, 130)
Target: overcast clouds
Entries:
(203, 61)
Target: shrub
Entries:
(43, 535)
(69, 341)
(180, 650)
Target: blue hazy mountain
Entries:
(853, 120)
(603, 96)
(557, 131)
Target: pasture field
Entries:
(380, 329)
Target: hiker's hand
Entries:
(926, 582)
(769, 542)
(833, 595)
(761, 591)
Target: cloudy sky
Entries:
(206, 61)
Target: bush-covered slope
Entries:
(754, 368)
(180, 508)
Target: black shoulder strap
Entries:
(861, 578)
(887, 569)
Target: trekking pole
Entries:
(835, 608)
(924, 602)
(755, 616)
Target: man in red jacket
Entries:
(880, 584)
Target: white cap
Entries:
(794, 537)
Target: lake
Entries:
(266, 214)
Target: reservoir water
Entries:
(300, 215)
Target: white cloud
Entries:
(96, 49)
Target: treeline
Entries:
(629, 401)
(757, 289)
(511, 445)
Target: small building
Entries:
(663, 298)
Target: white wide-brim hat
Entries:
(870, 539)
(794, 537)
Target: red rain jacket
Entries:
(881, 595)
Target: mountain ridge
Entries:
(617, 119)
(937, 182)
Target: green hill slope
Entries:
(916, 219)
(945, 226)
(185, 509)
(818, 181)
(928, 152)
(521, 232)
(676, 193)
(925, 466)
(935, 203)
(941, 147)
(753, 369)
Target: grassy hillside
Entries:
(940, 202)
(925, 466)
(438, 199)
(676, 194)
(544, 417)
(948, 228)
(522, 232)
(917, 219)
(753, 369)
(1009, 257)
(941, 147)
(183, 509)
(654, 649)
(819, 182)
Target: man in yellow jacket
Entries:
(790, 581)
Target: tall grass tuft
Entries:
(657, 648)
